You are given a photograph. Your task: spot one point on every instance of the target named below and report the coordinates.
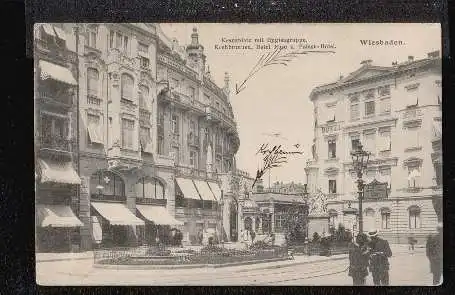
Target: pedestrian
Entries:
(412, 242)
(434, 253)
(358, 259)
(379, 259)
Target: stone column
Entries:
(84, 214)
(272, 215)
(113, 113)
(131, 205)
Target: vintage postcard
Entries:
(238, 154)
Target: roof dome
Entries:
(250, 204)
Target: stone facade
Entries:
(395, 113)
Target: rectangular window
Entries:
(385, 220)
(355, 111)
(332, 149)
(330, 113)
(385, 143)
(145, 62)
(191, 92)
(332, 186)
(412, 99)
(175, 154)
(118, 41)
(193, 158)
(369, 108)
(160, 145)
(175, 124)
(384, 90)
(370, 142)
(385, 106)
(412, 137)
(355, 144)
(413, 176)
(279, 222)
(94, 129)
(127, 133)
(414, 219)
(125, 44)
(145, 137)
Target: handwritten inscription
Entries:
(273, 157)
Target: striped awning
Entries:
(204, 190)
(188, 189)
(158, 215)
(52, 171)
(117, 214)
(56, 72)
(56, 216)
(215, 189)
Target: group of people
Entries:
(369, 252)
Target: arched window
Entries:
(414, 217)
(107, 183)
(369, 219)
(127, 87)
(150, 188)
(385, 218)
(93, 79)
(143, 96)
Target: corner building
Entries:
(395, 113)
(156, 134)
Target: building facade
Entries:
(155, 135)
(56, 151)
(395, 114)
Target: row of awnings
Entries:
(199, 189)
(58, 172)
(115, 213)
(56, 72)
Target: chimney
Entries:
(366, 62)
(410, 58)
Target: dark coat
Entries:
(434, 252)
(380, 253)
(358, 261)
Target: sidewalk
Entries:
(47, 257)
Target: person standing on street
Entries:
(379, 259)
(434, 253)
(358, 260)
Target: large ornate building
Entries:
(395, 113)
(155, 135)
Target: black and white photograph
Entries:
(218, 154)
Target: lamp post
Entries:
(221, 216)
(360, 161)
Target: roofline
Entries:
(400, 69)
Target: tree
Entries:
(296, 220)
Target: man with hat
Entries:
(379, 258)
(434, 254)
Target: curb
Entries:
(334, 258)
(63, 259)
(186, 266)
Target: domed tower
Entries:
(195, 52)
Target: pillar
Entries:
(272, 215)
(131, 205)
(84, 214)
(114, 122)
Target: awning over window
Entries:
(48, 29)
(204, 190)
(94, 134)
(215, 189)
(158, 215)
(188, 189)
(56, 72)
(117, 214)
(52, 171)
(56, 216)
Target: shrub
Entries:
(316, 237)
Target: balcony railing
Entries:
(108, 198)
(194, 172)
(151, 201)
(93, 100)
(56, 143)
(64, 100)
(144, 116)
(412, 113)
(169, 61)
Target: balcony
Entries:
(213, 114)
(182, 212)
(127, 104)
(55, 99)
(175, 139)
(183, 171)
(56, 143)
(55, 52)
(172, 63)
(214, 88)
(108, 198)
(412, 114)
(151, 201)
(93, 100)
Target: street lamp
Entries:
(360, 161)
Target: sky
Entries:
(276, 98)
